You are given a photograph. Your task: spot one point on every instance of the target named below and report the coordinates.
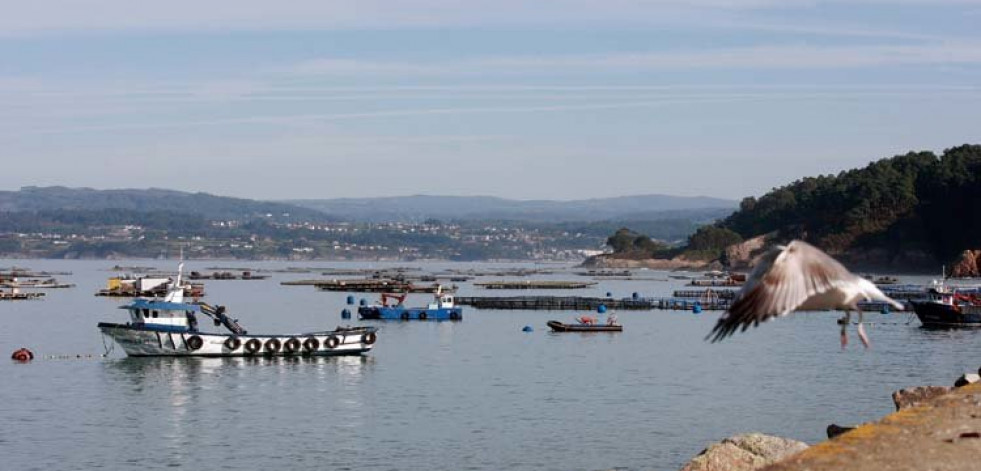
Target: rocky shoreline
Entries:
(744, 255)
(745, 452)
(753, 451)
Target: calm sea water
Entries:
(479, 394)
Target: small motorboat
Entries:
(586, 324)
(169, 327)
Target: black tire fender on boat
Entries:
(422, 316)
(332, 342)
(292, 345)
(454, 316)
(252, 346)
(273, 345)
(369, 338)
(232, 343)
(404, 316)
(311, 345)
(194, 342)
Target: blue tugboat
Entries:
(441, 309)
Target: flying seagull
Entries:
(794, 277)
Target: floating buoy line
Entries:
(25, 355)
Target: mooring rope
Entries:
(108, 348)
(73, 357)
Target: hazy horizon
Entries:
(562, 100)
(374, 196)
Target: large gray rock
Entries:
(910, 397)
(744, 452)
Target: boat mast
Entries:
(175, 294)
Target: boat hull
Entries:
(139, 341)
(557, 326)
(934, 314)
(397, 313)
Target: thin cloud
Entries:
(778, 57)
(72, 16)
(300, 119)
(763, 57)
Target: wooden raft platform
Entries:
(577, 303)
(20, 296)
(706, 293)
(535, 284)
(372, 286)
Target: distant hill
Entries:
(422, 207)
(32, 198)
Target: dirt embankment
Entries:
(746, 254)
(676, 263)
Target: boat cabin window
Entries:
(156, 313)
(146, 313)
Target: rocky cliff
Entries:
(744, 255)
(967, 265)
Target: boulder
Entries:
(744, 452)
(834, 430)
(967, 378)
(910, 397)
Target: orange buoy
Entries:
(22, 355)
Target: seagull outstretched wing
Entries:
(784, 279)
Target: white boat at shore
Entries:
(169, 327)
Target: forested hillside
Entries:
(913, 202)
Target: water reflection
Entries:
(178, 372)
(948, 332)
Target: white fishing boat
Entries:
(168, 326)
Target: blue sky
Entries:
(546, 99)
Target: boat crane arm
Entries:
(218, 314)
(399, 298)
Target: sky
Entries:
(526, 100)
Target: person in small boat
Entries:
(611, 319)
(586, 320)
